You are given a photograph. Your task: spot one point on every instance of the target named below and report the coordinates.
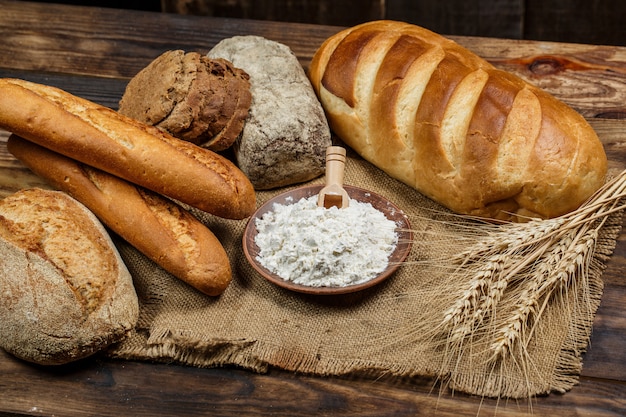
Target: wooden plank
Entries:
(327, 12)
(90, 33)
(495, 18)
(115, 388)
(152, 5)
(585, 21)
(500, 18)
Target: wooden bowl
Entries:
(391, 211)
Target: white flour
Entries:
(320, 247)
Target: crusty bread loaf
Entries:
(432, 114)
(66, 293)
(286, 134)
(141, 154)
(190, 96)
(158, 227)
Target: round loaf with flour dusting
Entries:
(286, 134)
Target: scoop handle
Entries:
(335, 162)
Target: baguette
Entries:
(478, 140)
(141, 154)
(156, 226)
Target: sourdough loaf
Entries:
(286, 134)
(156, 226)
(122, 146)
(476, 139)
(66, 293)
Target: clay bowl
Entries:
(391, 211)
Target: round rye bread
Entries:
(194, 98)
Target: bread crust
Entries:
(432, 114)
(286, 134)
(158, 227)
(119, 145)
(66, 292)
(194, 98)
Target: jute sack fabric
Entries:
(386, 329)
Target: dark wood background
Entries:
(600, 22)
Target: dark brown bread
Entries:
(159, 228)
(66, 293)
(127, 148)
(201, 100)
(432, 114)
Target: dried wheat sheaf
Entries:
(500, 310)
(510, 275)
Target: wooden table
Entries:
(92, 52)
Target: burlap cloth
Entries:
(257, 325)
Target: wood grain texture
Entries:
(597, 22)
(501, 19)
(132, 388)
(325, 12)
(92, 52)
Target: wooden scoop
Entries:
(333, 193)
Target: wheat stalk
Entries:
(467, 312)
(500, 262)
(555, 271)
(542, 257)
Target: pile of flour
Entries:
(318, 247)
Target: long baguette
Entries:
(434, 115)
(144, 155)
(156, 226)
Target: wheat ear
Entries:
(544, 255)
(492, 274)
(465, 314)
(554, 271)
(559, 268)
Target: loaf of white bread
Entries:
(141, 154)
(156, 226)
(432, 114)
